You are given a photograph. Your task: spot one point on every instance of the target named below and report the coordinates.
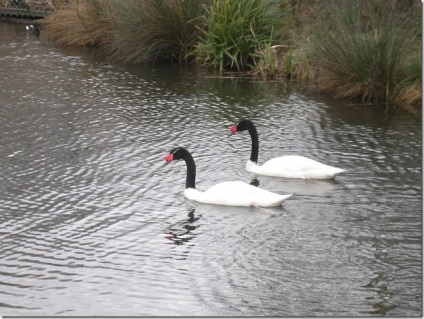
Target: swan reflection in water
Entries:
(254, 182)
(183, 231)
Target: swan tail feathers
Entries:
(283, 198)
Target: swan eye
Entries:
(173, 151)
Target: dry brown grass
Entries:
(302, 67)
(130, 31)
(366, 59)
(410, 96)
(44, 5)
(80, 23)
(155, 30)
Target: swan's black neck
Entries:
(182, 153)
(191, 172)
(243, 125)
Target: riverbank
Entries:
(368, 51)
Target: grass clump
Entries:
(130, 31)
(362, 48)
(80, 23)
(155, 30)
(367, 49)
(235, 31)
(411, 84)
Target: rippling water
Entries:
(94, 223)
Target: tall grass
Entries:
(235, 30)
(152, 30)
(273, 62)
(300, 62)
(130, 31)
(368, 49)
(362, 52)
(411, 81)
(80, 23)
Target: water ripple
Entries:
(94, 223)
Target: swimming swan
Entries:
(232, 193)
(289, 166)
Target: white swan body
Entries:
(289, 166)
(231, 193)
(292, 166)
(236, 193)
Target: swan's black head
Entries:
(247, 125)
(241, 125)
(176, 154)
(181, 153)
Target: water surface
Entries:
(94, 223)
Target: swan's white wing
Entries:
(236, 194)
(292, 166)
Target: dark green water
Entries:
(94, 223)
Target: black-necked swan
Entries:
(289, 166)
(231, 193)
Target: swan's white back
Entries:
(292, 166)
(236, 193)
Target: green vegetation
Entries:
(363, 50)
(366, 49)
(130, 31)
(151, 30)
(235, 30)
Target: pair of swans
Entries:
(236, 193)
